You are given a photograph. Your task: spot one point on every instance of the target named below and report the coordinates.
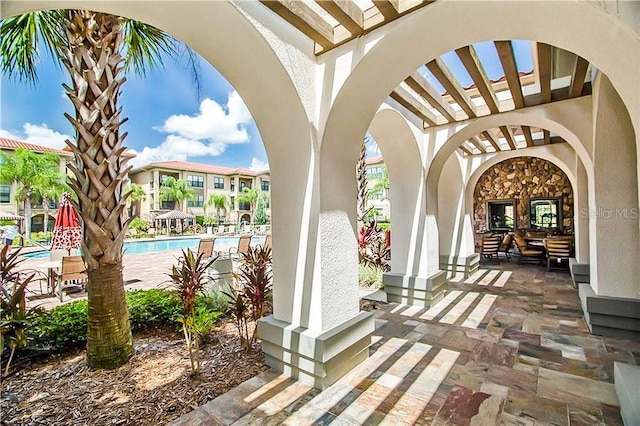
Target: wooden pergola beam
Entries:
(422, 87)
(471, 62)
(410, 102)
(304, 19)
(451, 85)
(526, 131)
(465, 150)
(508, 135)
(508, 61)
(577, 77)
(546, 137)
(478, 144)
(346, 12)
(544, 71)
(493, 140)
(390, 9)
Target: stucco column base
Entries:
(316, 358)
(580, 272)
(610, 316)
(418, 291)
(466, 265)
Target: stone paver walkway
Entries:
(506, 346)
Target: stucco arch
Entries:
(396, 54)
(222, 35)
(566, 119)
(399, 143)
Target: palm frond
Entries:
(146, 46)
(20, 37)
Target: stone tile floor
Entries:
(506, 346)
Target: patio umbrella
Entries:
(67, 233)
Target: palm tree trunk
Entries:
(45, 219)
(109, 340)
(27, 217)
(95, 64)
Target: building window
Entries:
(242, 186)
(196, 202)
(195, 181)
(233, 185)
(163, 179)
(375, 172)
(265, 185)
(218, 182)
(233, 203)
(168, 205)
(375, 195)
(5, 194)
(244, 206)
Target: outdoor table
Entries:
(52, 266)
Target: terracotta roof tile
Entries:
(13, 144)
(204, 168)
(374, 160)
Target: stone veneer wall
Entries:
(522, 178)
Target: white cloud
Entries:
(258, 165)
(39, 134)
(206, 133)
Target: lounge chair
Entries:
(244, 241)
(267, 242)
(72, 270)
(559, 251)
(527, 252)
(505, 245)
(220, 230)
(205, 247)
(489, 247)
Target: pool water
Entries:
(140, 247)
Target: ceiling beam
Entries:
(390, 9)
(526, 131)
(471, 62)
(410, 102)
(508, 60)
(508, 135)
(493, 140)
(577, 77)
(423, 88)
(546, 137)
(304, 19)
(465, 150)
(478, 144)
(451, 85)
(346, 12)
(544, 71)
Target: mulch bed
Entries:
(155, 387)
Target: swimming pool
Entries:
(152, 246)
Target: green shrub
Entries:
(384, 226)
(139, 225)
(370, 276)
(215, 300)
(64, 326)
(153, 308)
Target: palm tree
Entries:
(33, 173)
(136, 193)
(52, 189)
(220, 202)
(250, 196)
(176, 190)
(90, 45)
(361, 181)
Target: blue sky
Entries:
(167, 118)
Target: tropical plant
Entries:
(240, 311)
(260, 217)
(139, 224)
(381, 185)
(189, 279)
(52, 188)
(250, 196)
(176, 190)
(14, 315)
(373, 248)
(136, 193)
(370, 276)
(90, 45)
(209, 221)
(254, 278)
(220, 202)
(33, 173)
(361, 180)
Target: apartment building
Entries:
(8, 201)
(205, 180)
(377, 198)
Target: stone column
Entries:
(611, 302)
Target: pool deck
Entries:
(140, 271)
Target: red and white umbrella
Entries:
(67, 233)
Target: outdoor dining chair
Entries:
(72, 271)
(559, 251)
(489, 247)
(527, 252)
